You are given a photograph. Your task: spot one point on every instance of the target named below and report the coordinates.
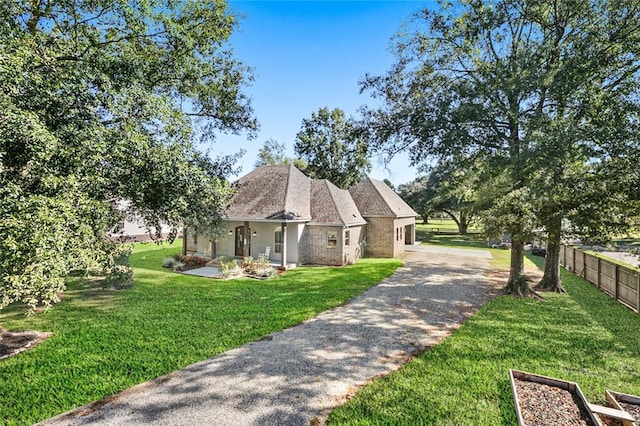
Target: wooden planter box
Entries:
(550, 408)
(619, 400)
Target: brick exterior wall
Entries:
(354, 252)
(386, 236)
(315, 251)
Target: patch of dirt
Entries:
(14, 342)
(632, 409)
(499, 277)
(544, 405)
(608, 421)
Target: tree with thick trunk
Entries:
(551, 279)
(520, 87)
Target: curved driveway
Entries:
(296, 376)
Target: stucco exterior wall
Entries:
(264, 236)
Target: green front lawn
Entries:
(105, 341)
(441, 226)
(583, 336)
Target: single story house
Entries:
(293, 219)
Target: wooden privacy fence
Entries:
(617, 281)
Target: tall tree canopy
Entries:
(273, 153)
(539, 91)
(334, 148)
(102, 101)
(452, 188)
(415, 194)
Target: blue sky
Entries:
(311, 54)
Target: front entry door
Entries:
(240, 241)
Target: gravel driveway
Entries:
(295, 377)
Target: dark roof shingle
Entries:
(332, 205)
(271, 193)
(375, 198)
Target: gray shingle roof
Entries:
(375, 198)
(332, 205)
(271, 193)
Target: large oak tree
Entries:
(102, 101)
(539, 91)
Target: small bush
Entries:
(169, 262)
(119, 273)
(259, 267)
(229, 267)
(192, 261)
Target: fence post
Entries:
(638, 293)
(615, 282)
(584, 266)
(573, 261)
(599, 270)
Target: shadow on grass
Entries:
(105, 341)
(581, 336)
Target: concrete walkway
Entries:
(297, 376)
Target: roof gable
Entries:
(332, 205)
(271, 193)
(374, 198)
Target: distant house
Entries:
(296, 220)
(132, 228)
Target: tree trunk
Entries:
(463, 226)
(551, 278)
(518, 283)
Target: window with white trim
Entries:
(332, 239)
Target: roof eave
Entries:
(253, 219)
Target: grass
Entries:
(442, 226)
(583, 336)
(105, 341)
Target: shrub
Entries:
(191, 261)
(169, 262)
(119, 273)
(259, 267)
(229, 267)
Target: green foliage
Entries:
(102, 102)
(229, 267)
(169, 262)
(272, 153)
(258, 267)
(415, 194)
(118, 272)
(543, 95)
(104, 341)
(583, 336)
(333, 147)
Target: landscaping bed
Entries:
(543, 401)
(627, 403)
